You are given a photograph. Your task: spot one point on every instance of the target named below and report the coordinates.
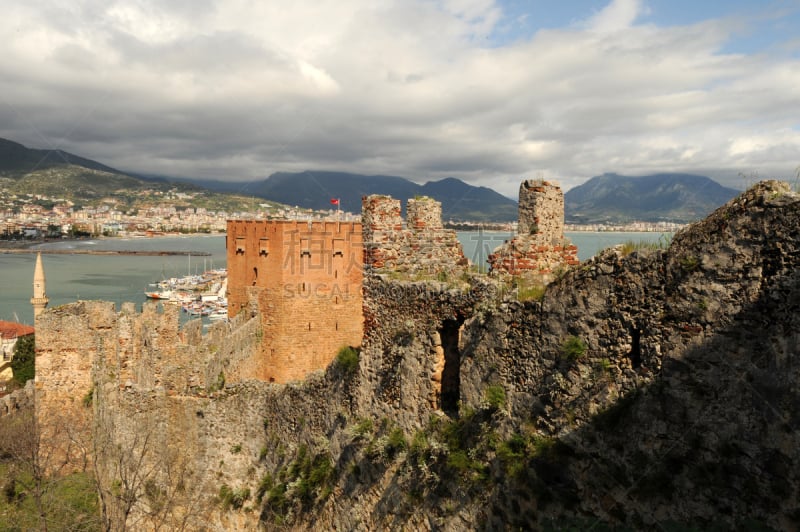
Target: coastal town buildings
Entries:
(10, 332)
(37, 216)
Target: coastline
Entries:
(30, 250)
(32, 246)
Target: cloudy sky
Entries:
(487, 91)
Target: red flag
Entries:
(334, 201)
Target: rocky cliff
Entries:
(654, 388)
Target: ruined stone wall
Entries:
(83, 345)
(539, 249)
(407, 325)
(422, 246)
(306, 277)
(17, 400)
(541, 211)
(424, 213)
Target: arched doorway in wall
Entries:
(449, 333)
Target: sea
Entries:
(123, 278)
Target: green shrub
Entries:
(88, 398)
(219, 384)
(419, 443)
(604, 365)
(512, 454)
(396, 441)
(690, 263)
(264, 486)
(363, 427)
(573, 349)
(230, 498)
(23, 362)
(347, 359)
(495, 396)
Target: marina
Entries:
(197, 295)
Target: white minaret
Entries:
(39, 299)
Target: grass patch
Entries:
(528, 289)
(573, 349)
(69, 502)
(689, 263)
(495, 396)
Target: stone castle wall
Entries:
(306, 278)
(539, 249)
(689, 357)
(421, 246)
(121, 393)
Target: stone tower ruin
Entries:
(539, 249)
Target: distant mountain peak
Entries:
(314, 188)
(614, 198)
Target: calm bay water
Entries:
(117, 278)
(124, 278)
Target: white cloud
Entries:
(617, 15)
(238, 89)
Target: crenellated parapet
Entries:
(421, 245)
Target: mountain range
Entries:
(315, 189)
(608, 198)
(674, 197)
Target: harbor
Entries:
(198, 295)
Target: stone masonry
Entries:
(306, 278)
(422, 246)
(539, 249)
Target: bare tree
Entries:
(62, 496)
(144, 482)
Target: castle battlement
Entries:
(421, 245)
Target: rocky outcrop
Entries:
(668, 378)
